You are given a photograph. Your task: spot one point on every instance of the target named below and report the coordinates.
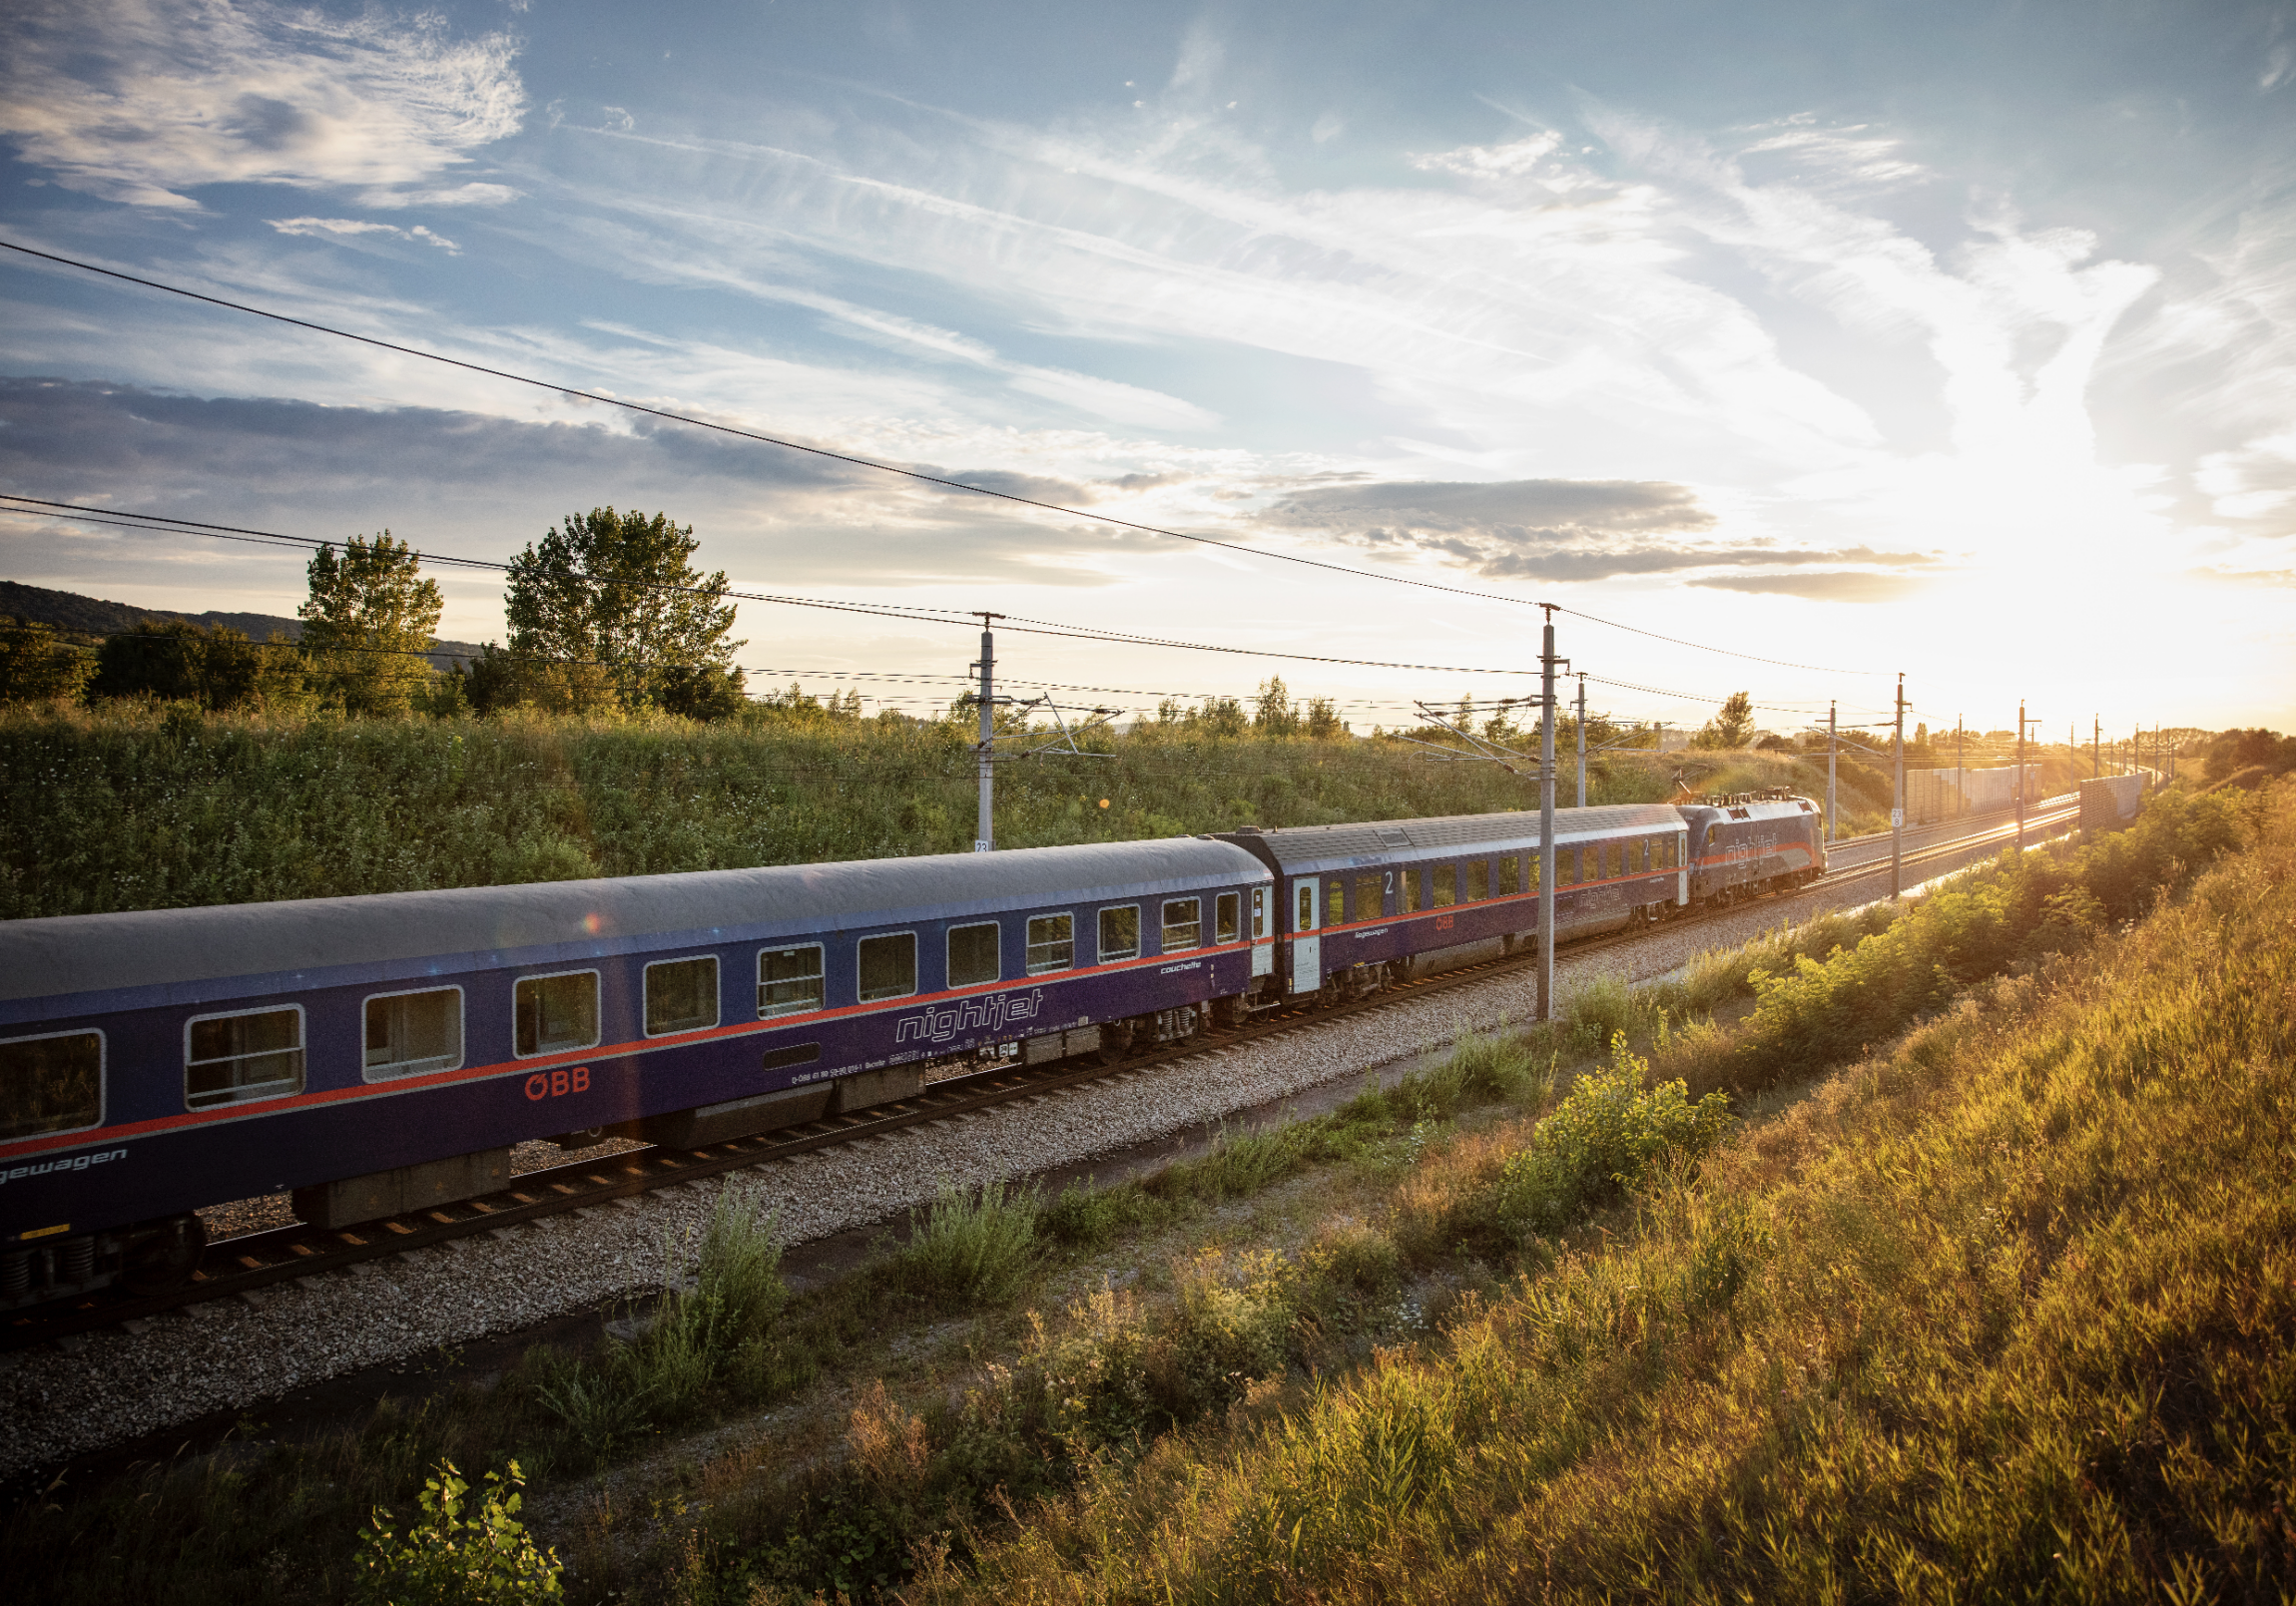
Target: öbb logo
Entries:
(557, 1084)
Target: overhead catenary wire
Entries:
(934, 616)
(873, 465)
(162, 523)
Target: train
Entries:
(379, 1054)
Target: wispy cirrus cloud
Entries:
(142, 101)
(353, 227)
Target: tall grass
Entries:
(133, 806)
(2008, 1312)
(970, 1246)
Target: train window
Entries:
(53, 1083)
(1445, 885)
(1120, 933)
(1615, 856)
(1530, 870)
(1259, 912)
(1477, 880)
(1409, 876)
(258, 1055)
(1566, 866)
(413, 1033)
(1509, 879)
(1370, 897)
(1052, 943)
(556, 1014)
(1307, 916)
(888, 966)
(1673, 852)
(1335, 903)
(680, 995)
(1183, 923)
(1227, 918)
(789, 980)
(972, 956)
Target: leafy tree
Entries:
(219, 667)
(35, 667)
(619, 591)
(2256, 747)
(1322, 720)
(1273, 712)
(1731, 726)
(369, 618)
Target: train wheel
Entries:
(166, 1261)
(1116, 1039)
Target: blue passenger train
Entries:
(381, 1054)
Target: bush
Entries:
(971, 1248)
(1602, 1139)
(449, 1558)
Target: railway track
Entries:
(246, 1264)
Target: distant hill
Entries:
(92, 616)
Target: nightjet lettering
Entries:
(78, 1161)
(974, 1014)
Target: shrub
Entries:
(1600, 1141)
(975, 1246)
(455, 1555)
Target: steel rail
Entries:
(249, 1263)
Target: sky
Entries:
(1813, 345)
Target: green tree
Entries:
(36, 668)
(1273, 712)
(369, 618)
(1731, 726)
(619, 590)
(219, 667)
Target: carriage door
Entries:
(1306, 946)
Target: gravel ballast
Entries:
(114, 1385)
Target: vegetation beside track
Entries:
(132, 805)
(1996, 1302)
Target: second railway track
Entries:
(253, 1262)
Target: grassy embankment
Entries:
(127, 807)
(1999, 1303)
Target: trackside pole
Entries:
(1582, 740)
(1546, 662)
(984, 835)
(1833, 711)
(1898, 815)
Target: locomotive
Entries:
(384, 1053)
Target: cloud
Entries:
(482, 486)
(1549, 529)
(474, 194)
(1835, 585)
(139, 101)
(2253, 482)
(1033, 487)
(1591, 506)
(1845, 157)
(1554, 530)
(350, 228)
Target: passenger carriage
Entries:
(1365, 905)
(384, 1053)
